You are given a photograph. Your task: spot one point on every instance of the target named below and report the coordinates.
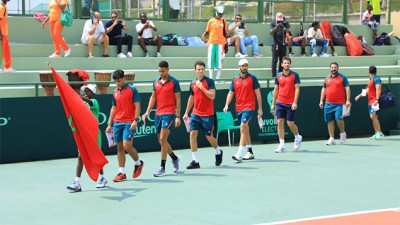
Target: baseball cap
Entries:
(243, 61)
(219, 9)
(279, 17)
(91, 87)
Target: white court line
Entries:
(330, 216)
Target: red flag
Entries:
(84, 125)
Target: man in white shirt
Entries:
(95, 34)
(239, 28)
(315, 37)
(145, 35)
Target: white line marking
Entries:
(330, 216)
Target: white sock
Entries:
(138, 163)
(78, 179)
(210, 73)
(122, 170)
(217, 151)
(282, 142)
(248, 146)
(195, 156)
(219, 73)
(241, 151)
(102, 175)
(297, 137)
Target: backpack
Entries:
(170, 39)
(337, 36)
(383, 39)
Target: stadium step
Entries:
(44, 50)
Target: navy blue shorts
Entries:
(245, 116)
(284, 111)
(164, 121)
(122, 131)
(204, 123)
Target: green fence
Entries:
(201, 10)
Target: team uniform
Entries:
(202, 117)
(124, 99)
(372, 92)
(286, 91)
(286, 84)
(335, 96)
(166, 104)
(216, 42)
(245, 97)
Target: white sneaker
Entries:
(76, 186)
(343, 137)
(280, 149)
(158, 54)
(325, 55)
(248, 156)
(297, 143)
(331, 141)
(160, 172)
(240, 55)
(334, 54)
(54, 56)
(314, 55)
(129, 55)
(101, 183)
(121, 55)
(175, 164)
(67, 52)
(237, 158)
(379, 135)
(147, 54)
(9, 70)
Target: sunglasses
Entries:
(238, 18)
(113, 17)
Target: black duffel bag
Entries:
(387, 99)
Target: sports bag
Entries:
(170, 39)
(354, 47)
(337, 36)
(326, 30)
(387, 99)
(367, 50)
(66, 17)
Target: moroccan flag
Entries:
(84, 125)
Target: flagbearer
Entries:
(88, 97)
(124, 118)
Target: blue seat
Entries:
(226, 123)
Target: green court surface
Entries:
(360, 175)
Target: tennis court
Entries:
(362, 175)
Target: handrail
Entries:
(267, 80)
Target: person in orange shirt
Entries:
(217, 31)
(56, 8)
(6, 53)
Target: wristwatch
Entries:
(137, 119)
(177, 116)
